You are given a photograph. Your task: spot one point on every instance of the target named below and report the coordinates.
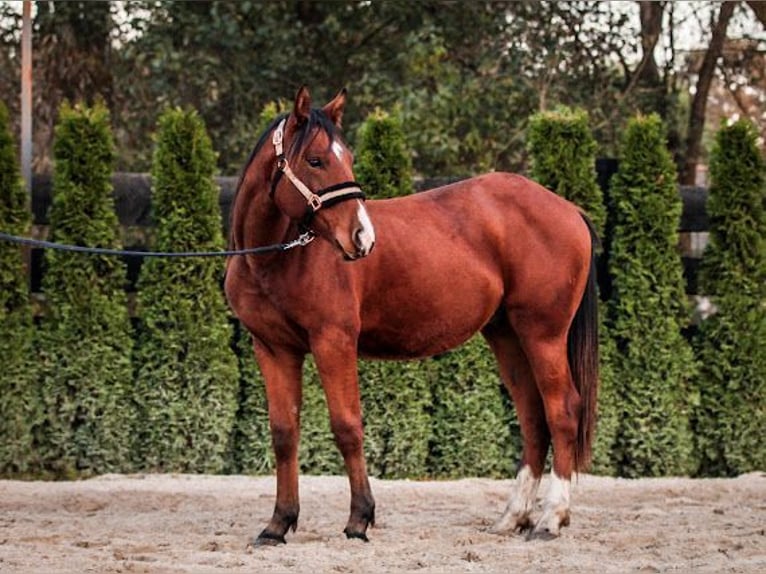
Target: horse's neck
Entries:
(258, 221)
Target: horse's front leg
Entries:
(282, 372)
(335, 353)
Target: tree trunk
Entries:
(699, 103)
(651, 27)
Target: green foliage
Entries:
(187, 381)
(19, 401)
(654, 364)
(269, 113)
(317, 452)
(609, 408)
(473, 432)
(447, 417)
(563, 159)
(85, 338)
(465, 91)
(250, 450)
(383, 164)
(731, 415)
(397, 424)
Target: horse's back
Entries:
(449, 258)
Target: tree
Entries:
(473, 432)
(383, 164)
(72, 48)
(397, 424)
(654, 365)
(563, 159)
(732, 411)
(19, 396)
(85, 337)
(699, 102)
(250, 449)
(187, 379)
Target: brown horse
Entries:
(497, 254)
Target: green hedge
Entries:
(563, 159)
(19, 400)
(654, 365)
(85, 337)
(474, 431)
(187, 379)
(250, 449)
(730, 420)
(383, 165)
(70, 412)
(397, 425)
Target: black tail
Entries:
(582, 350)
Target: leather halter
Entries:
(324, 197)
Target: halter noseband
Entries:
(324, 197)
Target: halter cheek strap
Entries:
(324, 197)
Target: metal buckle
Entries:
(315, 202)
(306, 238)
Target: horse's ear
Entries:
(334, 109)
(302, 107)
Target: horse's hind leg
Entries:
(335, 357)
(282, 375)
(519, 380)
(548, 360)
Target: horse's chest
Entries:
(267, 308)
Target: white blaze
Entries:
(337, 149)
(367, 231)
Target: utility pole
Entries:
(26, 95)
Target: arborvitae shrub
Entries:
(473, 430)
(730, 420)
(383, 165)
(317, 451)
(654, 363)
(395, 398)
(563, 159)
(187, 372)
(268, 114)
(85, 338)
(397, 425)
(250, 451)
(19, 401)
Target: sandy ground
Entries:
(168, 524)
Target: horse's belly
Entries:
(426, 322)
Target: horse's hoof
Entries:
(542, 534)
(269, 539)
(351, 534)
(549, 526)
(508, 525)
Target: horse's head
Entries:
(313, 182)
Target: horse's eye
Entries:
(314, 161)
